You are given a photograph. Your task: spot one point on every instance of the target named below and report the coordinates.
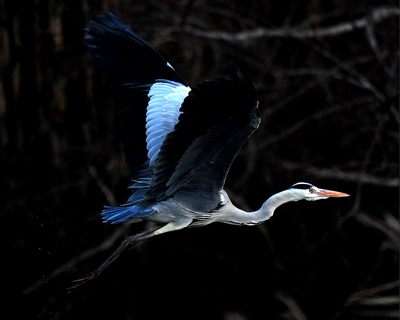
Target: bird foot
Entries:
(78, 282)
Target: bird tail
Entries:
(134, 208)
(123, 213)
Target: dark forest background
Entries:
(327, 77)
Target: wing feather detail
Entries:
(216, 119)
(166, 98)
(131, 67)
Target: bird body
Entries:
(179, 142)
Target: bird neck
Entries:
(264, 213)
(267, 209)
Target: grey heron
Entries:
(179, 142)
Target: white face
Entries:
(313, 194)
(309, 192)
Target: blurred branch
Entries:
(105, 245)
(377, 314)
(284, 100)
(368, 303)
(376, 301)
(316, 116)
(103, 187)
(372, 291)
(376, 16)
(395, 113)
(361, 80)
(295, 311)
(345, 176)
(358, 179)
(333, 74)
(366, 161)
(370, 221)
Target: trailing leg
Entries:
(125, 245)
(128, 243)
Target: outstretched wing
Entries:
(216, 119)
(177, 142)
(132, 69)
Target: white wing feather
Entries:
(162, 115)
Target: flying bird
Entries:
(179, 142)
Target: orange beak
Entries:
(331, 194)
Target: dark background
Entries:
(327, 77)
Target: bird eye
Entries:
(312, 190)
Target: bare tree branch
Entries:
(378, 15)
(371, 221)
(321, 73)
(357, 76)
(345, 175)
(372, 291)
(316, 116)
(103, 187)
(294, 310)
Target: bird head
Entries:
(306, 191)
